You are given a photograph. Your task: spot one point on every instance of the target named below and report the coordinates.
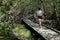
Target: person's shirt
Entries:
(39, 13)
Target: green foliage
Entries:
(9, 9)
(1, 14)
(20, 30)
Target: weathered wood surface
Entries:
(45, 32)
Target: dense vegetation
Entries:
(12, 11)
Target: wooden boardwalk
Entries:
(48, 34)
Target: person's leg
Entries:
(40, 20)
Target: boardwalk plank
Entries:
(45, 32)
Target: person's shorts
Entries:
(40, 17)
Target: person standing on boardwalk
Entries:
(39, 14)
